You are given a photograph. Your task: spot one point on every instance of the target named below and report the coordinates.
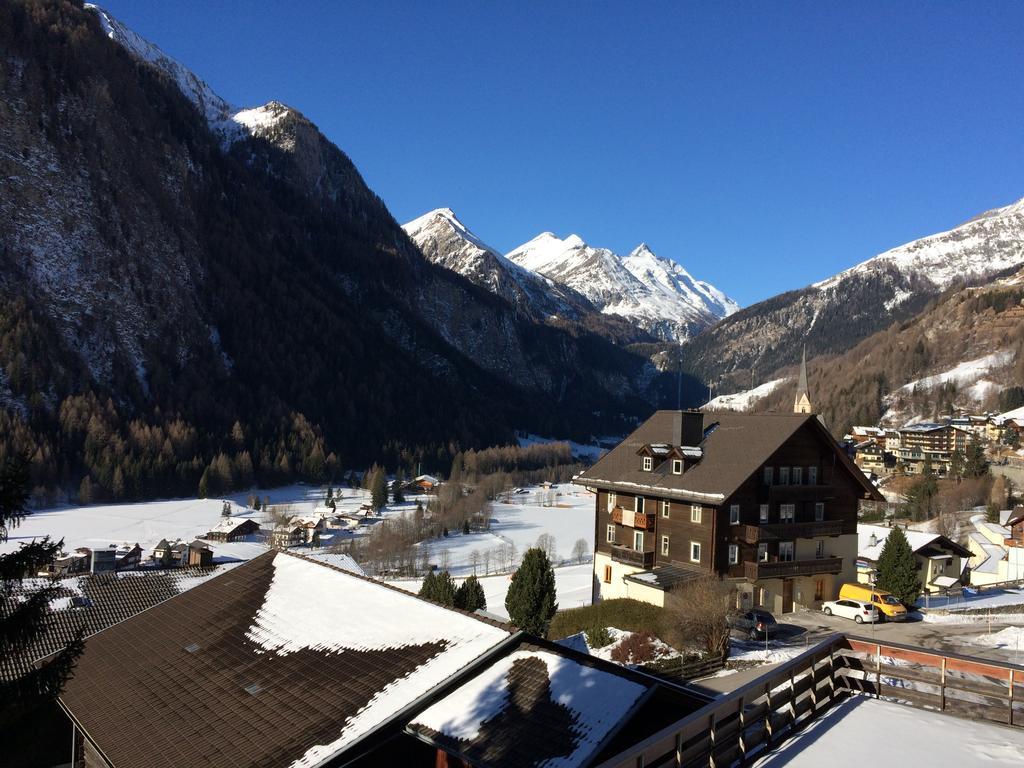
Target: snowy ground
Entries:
(742, 401)
(860, 730)
(569, 517)
(992, 598)
(148, 522)
(589, 451)
(572, 585)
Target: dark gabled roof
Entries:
(286, 661)
(942, 545)
(544, 704)
(1016, 517)
(95, 602)
(665, 577)
(735, 446)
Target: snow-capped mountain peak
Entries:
(656, 293)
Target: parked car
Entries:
(858, 610)
(756, 624)
(890, 607)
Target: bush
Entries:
(598, 637)
(635, 649)
(630, 615)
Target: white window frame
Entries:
(609, 534)
(787, 513)
(694, 550)
(734, 554)
(648, 463)
(812, 475)
(769, 475)
(664, 545)
(787, 551)
(763, 513)
(783, 475)
(677, 466)
(696, 513)
(613, 500)
(819, 511)
(666, 508)
(638, 505)
(762, 553)
(798, 475)
(734, 514)
(638, 539)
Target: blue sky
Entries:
(762, 145)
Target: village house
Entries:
(234, 529)
(767, 501)
(940, 562)
(179, 554)
(998, 549)
(284, 536)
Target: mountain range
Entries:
(190, 288)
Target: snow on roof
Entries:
(427, 479)
(993, 554)
(917, 540)
(596, 700)
(338, 560)
(924, 426)
(229, 524)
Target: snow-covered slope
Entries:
(743, 401)
(654, 292)
(989, 243)
(445, 240)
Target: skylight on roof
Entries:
(253, 688)
(192, 647)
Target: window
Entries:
(648, 463)
(762, 553)
(783, 475)
(798, 475)
(694, 551)
(664, 545)
(786, 551)
(638, 541)
(612, 501)
(695, 513)
(677, 466)
(610, 534)
(819, 511)
(819, 549)
(665, 507)
(787, 513)
(812, 475)
(607, 574)
(819, 589)
(763, 516)
(769, 475)
(734, 514)
(734, 554)
(638, 505)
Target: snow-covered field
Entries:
(148, 522)
(566, 513)
(572, 587)
(993, 598)
(967, 372)
(860, 730)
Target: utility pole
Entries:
(679, 392)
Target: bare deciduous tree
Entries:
(699, 613)
(474, 560)
(546, 543)
(580, 551)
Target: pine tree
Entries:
(429, 586)
(444, 589)
(531, 595)
(896, 571)
(204, 484)
(379, 490)
(470, 595)
(21, 622)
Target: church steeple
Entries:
(802, 402)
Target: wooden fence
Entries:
(758, 716)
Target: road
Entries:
(803, 629)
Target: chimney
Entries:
(688, 428)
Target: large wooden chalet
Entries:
(767, 501)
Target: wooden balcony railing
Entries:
(632, 557)
(784, 569)
(752, 534)
(629, 518)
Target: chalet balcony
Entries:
(631, 519)
(632, 557)
(786, 493)
(785, 569)
(754, 534)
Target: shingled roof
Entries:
(735, 445)
(283, 661)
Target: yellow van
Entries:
(886, 602)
